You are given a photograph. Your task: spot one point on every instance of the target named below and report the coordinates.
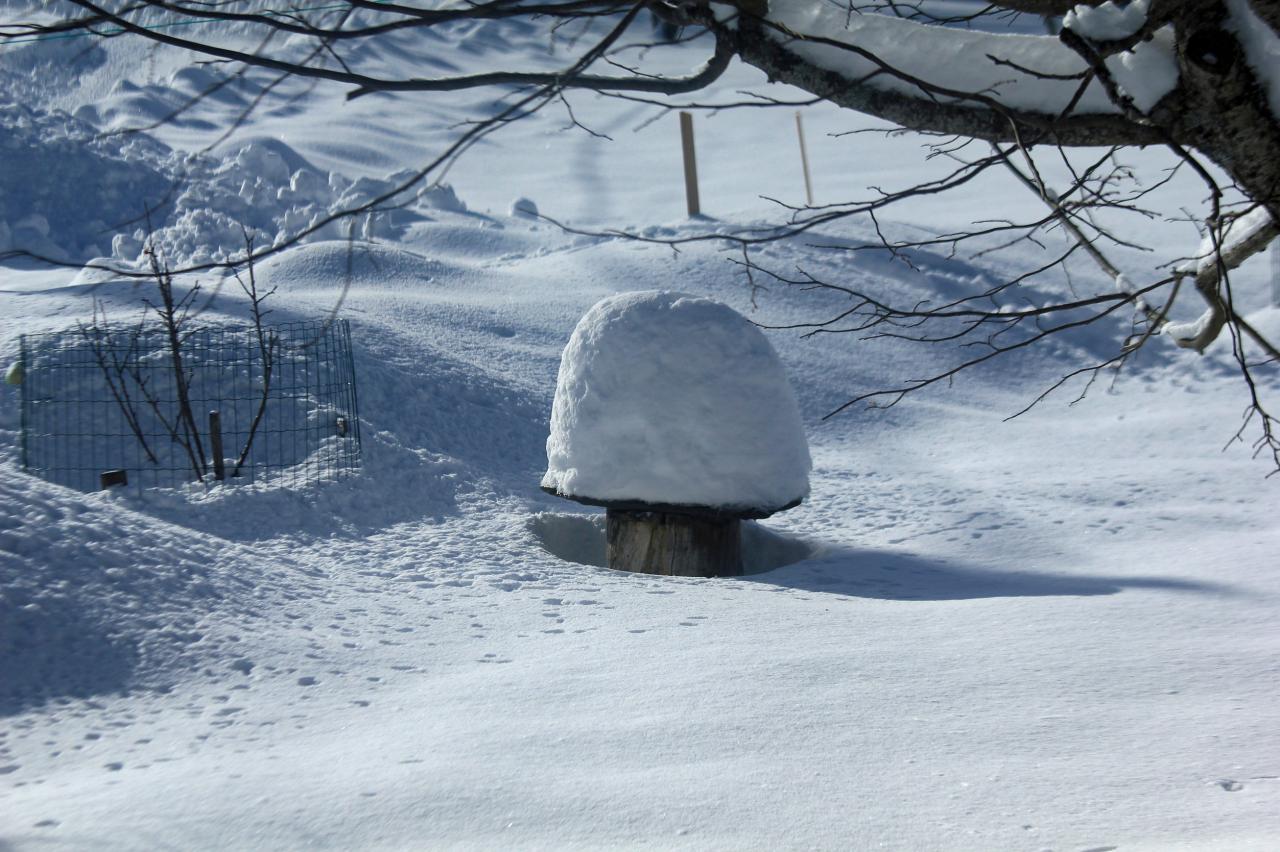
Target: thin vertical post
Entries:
(1275, 273)
(804, 161)
(24, 401)
(351, 373)
(215, 439)
(690, 164)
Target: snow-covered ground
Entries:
(1056, 632)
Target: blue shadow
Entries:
(889, 575)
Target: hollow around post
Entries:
(674, 544)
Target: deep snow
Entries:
(671, 399)
(1056, 632)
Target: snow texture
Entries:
(1149, 71)
(673, 399)
(106, 196)
(1107, 22)
(966, 60)
(1052, 632)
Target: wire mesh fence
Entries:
(109, 404)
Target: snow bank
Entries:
(95, 599)
(674, 399)
(63, 190)
(72, 193)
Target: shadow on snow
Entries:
(888, 575)
(776, 559)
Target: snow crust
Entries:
(669, 398)
(966, 60)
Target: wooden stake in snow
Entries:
(111, 478)
(690, 164)
(804, 161)
(215, 445)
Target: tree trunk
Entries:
(674, 544)
(1223, 109)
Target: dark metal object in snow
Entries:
(74, 426)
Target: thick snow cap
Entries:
(675, 400)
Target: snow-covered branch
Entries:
(1219, 254)
(968, 83)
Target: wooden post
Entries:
(215, 439)
(111, 478)
(673, 544)
(804, 161)
(690, 164)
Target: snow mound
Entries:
(64, 190)
(524, 207)
(96, 599)
(671, 399)
(71, 193)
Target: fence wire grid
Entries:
(99, 399)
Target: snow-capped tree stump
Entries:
(674, 413)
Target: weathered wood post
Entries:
(215, 441)
(674, 414)
(804, 161)
(111, 478)
(672, 543)
(690, 165)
